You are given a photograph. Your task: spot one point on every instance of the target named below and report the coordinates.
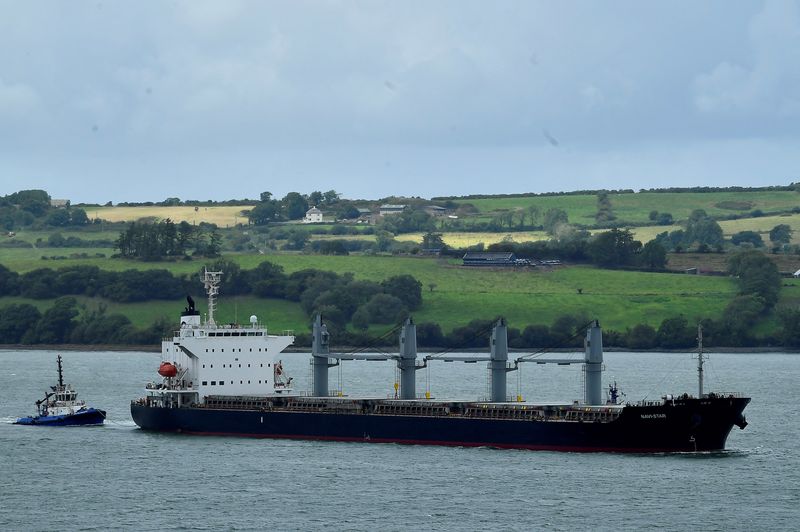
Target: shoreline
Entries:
(421, 349)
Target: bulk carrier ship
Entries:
(229, 380)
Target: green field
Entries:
(635, 208)
(31, 236)
(619, 299)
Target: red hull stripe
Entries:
(565, 448)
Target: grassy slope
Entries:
(617, 298)
(636, 208)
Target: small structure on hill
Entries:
(388, 208)
(435, 210)
(313, 216)
(480, 258)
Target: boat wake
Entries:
(122, 423)
(706, 455)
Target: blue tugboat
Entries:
(61, 407)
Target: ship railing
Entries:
(647, 403)
(288, 332)
(733, 395)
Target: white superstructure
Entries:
(214, 359)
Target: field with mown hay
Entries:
(222, 216)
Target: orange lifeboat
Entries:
(167, 370)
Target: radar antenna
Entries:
(211, 282)
(700, 361)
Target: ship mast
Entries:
(700, 361)
(60, 373)
(211, 282)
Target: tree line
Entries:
(165, 239)
(32, 208)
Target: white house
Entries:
(313, 215)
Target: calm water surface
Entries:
(117, 476)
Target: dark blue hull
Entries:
(90, 416)
(681, 426)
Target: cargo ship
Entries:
(228, 379)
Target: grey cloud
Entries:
(769, 84)
(153, 88)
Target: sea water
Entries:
(119, 477)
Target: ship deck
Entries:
(422, 407)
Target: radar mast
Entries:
(211, 282)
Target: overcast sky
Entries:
(139, 101)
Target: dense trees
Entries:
(554, 218)
(749, 237)
(164, 239)
(757, 275)
(653, 256)
(409, 221)
(294, 206)
(16, 320)
(780, 234)
(614, 248)
(701, 229)
(604, 210)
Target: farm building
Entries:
(435, 210)
(388, 208)
(474, 258)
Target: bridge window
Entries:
(205, 383)
(213, 383)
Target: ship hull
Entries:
(90, 416)
(686, 426)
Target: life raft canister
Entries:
(167, 370)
